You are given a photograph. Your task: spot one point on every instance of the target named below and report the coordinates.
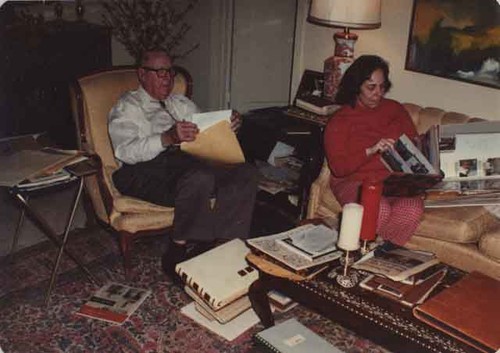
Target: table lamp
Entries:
(361, 14)
(371, 193)
(350, 228)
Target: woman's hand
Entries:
(235, 121)
(381, 146)
(180, 132)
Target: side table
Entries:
(261, 130)
(78, 171)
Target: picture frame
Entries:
(311, 84)
(456, 39)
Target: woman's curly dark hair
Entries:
(360, 71)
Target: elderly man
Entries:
(146, 125)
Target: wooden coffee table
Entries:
(380, 320)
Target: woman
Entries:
(366, 125)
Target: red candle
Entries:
(371, 192)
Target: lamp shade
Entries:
(345, 13)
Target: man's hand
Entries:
(180, 132)
(381, 146)
(235, 121)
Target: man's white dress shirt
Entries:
(137, 121)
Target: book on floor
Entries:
(224, 314)
(220, 275)
(280, 302)
(114, 302)
(311, 243)
(291, 336)
(467, 310)
(269, 247)
(406, 294)
(395, 262)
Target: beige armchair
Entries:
(464, 237)
(92, 97)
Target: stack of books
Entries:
(305, 250)
(402, 275)
(218, 281)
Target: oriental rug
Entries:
(28, 326)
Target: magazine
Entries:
(312, 243)
(395, 262)
(114, 302)
(269, 246)
(412, 171)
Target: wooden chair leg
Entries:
(126, 240)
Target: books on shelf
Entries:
(270, 247)
(411, 172)
(403, 293)
(311, 243)
(291, 336)
(220, 275)
(467, 310)
(114, 302)
(395, 262)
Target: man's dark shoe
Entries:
(174, 254)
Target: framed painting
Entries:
(456, 39)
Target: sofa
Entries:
(464, 237)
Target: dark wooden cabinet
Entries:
(39, 60)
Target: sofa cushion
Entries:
(463, 256)
(489, 244)
(456, 224)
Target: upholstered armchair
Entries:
(92, 97)
(464, 237)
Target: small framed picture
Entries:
(492, 166)
(467, 167)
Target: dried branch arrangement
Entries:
(145, 24)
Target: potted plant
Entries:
(145, 24)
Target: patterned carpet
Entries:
(27, 326)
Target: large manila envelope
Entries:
(215, 142)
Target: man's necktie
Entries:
(164, 107)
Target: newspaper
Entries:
(396, 264)
(270, 246)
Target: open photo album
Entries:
(412, 172)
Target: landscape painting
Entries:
(456, 39)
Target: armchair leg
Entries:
(126, 240)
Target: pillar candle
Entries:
(371, 192)
(352, 214)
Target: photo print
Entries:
(492, 166)
(467, 167)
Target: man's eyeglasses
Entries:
(161, 72)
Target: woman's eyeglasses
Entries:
(161, 72)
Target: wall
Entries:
(315, 43)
